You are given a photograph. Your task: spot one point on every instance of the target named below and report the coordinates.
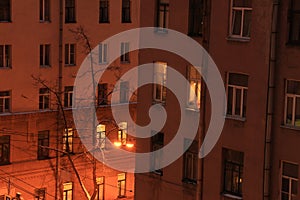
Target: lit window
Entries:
(190, 162)
(160, 79)
(195, 17)
(122, 133)
(5, 56)
(163, 14)
(292, 103)
(4, 101)
(194, 89)
(233, 171)
(45, 55)
(70, 54)
(294, 22)
(104, 11)
(68, 191)
(43, 144)
(240, 14)
(237, 89)
(125, 52)
(124, 91)
(44, 99)
(68, 140)
(101, 136)
(40, 194)
(4, 150)
(100, 185)
(102, 94)
(70, 16)
(157, 142)
(121, 185)
(126, 18)
(102, 53)
(44, 10)
(5, 11)
(68, 97)
(289, 181)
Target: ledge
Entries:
(237, 118)
(231, 196)
(238, 39)
(295, 128)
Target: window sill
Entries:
(232, 196)
(238, 39)
(126, 22)
(195, 34)
(70, 22)
(45, 66)
(296, 128)
(238, 118)
(158, 172)
(5, 21)
(189, 181)
(192, 109)
(160, 30)
(125, 62)
(163, 103)
(293, 43)
(70, 65)
(104, 22)
(45, 21)
(5, 68)
(121, 197)
(5, 163)
(103, 63)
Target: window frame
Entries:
(291, 12)
(5, 102)
(70, 11)
(67, 188)
(45, 55)
(162, 13)
(68, 140)
(103, 56)
(70, 54)
(124, 91)
(40, 194)
(190, 162)
(289, 178)
(101, 187)
(196, 11)
(45, 11)
(103, 11)
(122, 190)
(5, 148)
(101, 136)
(125, 57)
(6, 9)
(294, 101)
(102, 94)
(161, 87)
(68, 96)
(43, 140)
(198, 88)
(44, 99)
(157, 143)
(126, 11)
(231, 23)
(122, 133)
(5, 56)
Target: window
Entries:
(233, 171)
(126, 11)
(124, 91)
(43, 143)
(294, 22)
(45, 55)
(68, 100)
(160, 79)
(70, 16)
(44, 10)
(125, 52)
(237, 94)
(100, 185)
(68, 140)
(157, 142)
(4, 101)
(40, 194)
(190, 162)
(44, 99)
(5, 11)
(240, 15)
(5, 56)
(68, 191)
(102, 53)
(194, 90)
(195, 17)
(101, 136)
(163, 14)
(122, 185)
(104, 11)
(70, 54)
(289, 181)
(4, 150)
(122, 133)
(102, 94)
(292, 103)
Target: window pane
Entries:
(245, 103)
(285, 185)
(293, 87)
(284, 196)
(289, 110)
(238, 79)
(242, 3)
(247, 23)
(236, 22)
(290, 170)
(297, 112)
(229, 100)
(294, 187)
(238, 95)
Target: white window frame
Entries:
(101, 136)
(294, 97)
(290, 181)
(121, 185)
(43, 10)
(68, 191)
(69, 92)
(5, 98)
(43, 55)
(6, 56)
(162, 85)
(163, 14)
(44, 98)
(68, 135)
(124, 92)
(100, 184)
(125, 52)
(69, 54)
(122, 132)
(243, 9)
(103, 53)
(194, 103)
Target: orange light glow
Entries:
(117, 144)
(129, 145)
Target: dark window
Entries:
(126, 18)
(4, 150)
(5, 56)
(125, 52)
(104, 11)
(68, 100)
(157, 142)
(4, 101)
(121, 185)
(163, 14)
(5, 11)
(45, 55)
(43, 145)
(102, 94)
(40, 194)
(294, 22)
(233, 171)
(190, 162)
(70, 16)
(70, 54)
(124, 92)
(196, 17)
(44, 10)
(44, 99)
(289, 181)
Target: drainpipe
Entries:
(270, 102)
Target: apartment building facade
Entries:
(41, 50)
